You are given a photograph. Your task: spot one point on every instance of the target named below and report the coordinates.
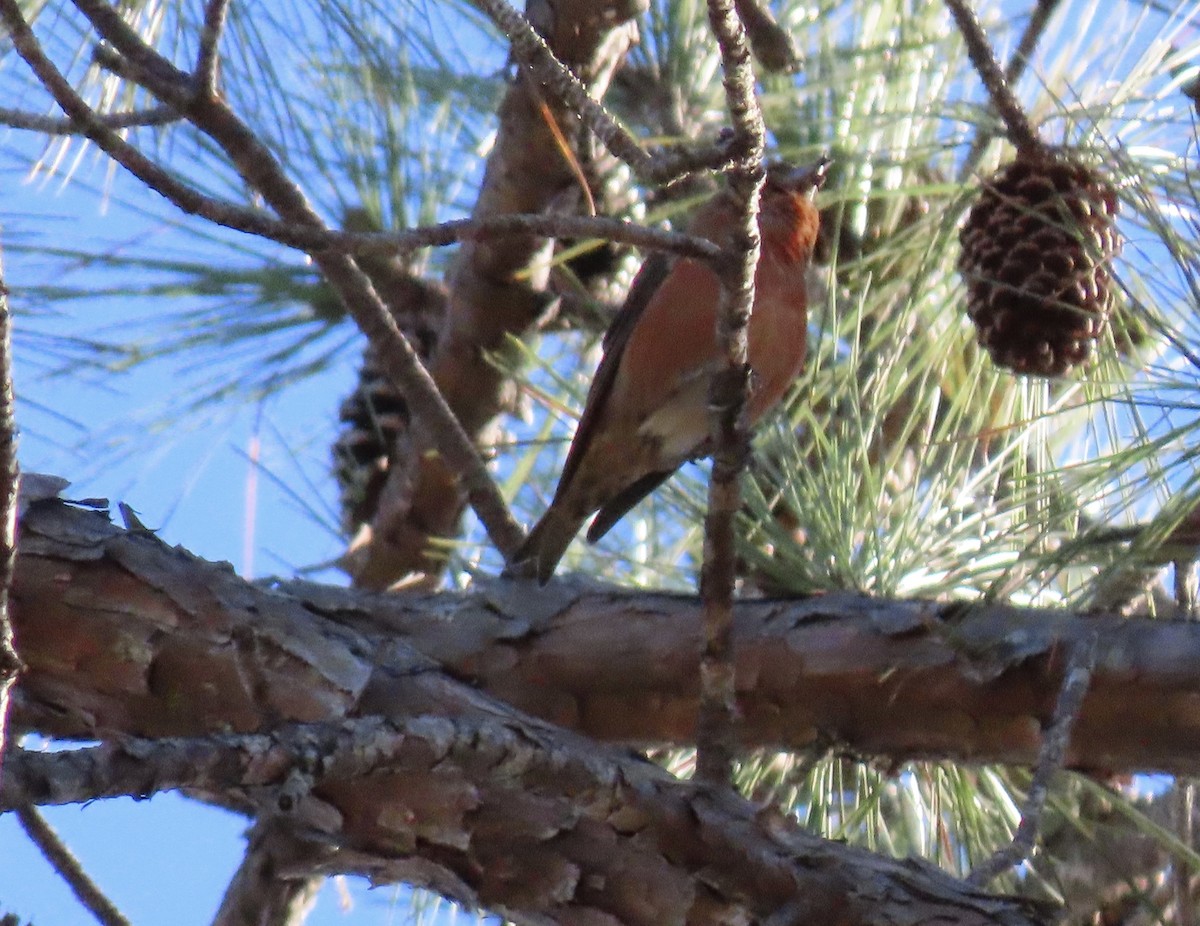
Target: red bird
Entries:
(647, 410)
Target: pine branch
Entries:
(1077, 676)
(10, 662)
(207, 58)
(1039, 19)
(49, 125)
(619, 665)
(1020, 132)
(63, 860)
(633, 811)
(716, 734)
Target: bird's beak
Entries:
(814, 176)
(804, 179)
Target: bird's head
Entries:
(788, 218)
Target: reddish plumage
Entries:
(647, 410)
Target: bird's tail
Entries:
(538, 556)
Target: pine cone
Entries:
(372, 417)
(1036, 250)
(375, 414)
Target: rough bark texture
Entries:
(454, 790)
(497, 289)
(538, 826)
(261, 892)
(123, 633)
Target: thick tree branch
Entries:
(607, 834)
(128, 637)
(847, 672)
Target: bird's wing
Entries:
(616, 507)
(649, 278)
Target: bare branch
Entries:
(208, 57)
(63, 860)
(770, 42)
(10, 662)
(1076, 679)
(109, 24)
(716, 734)
(1043, 10)
(49, 125)
(1020, 132)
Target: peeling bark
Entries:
(534, 824)
(444, 786)
(125, 634)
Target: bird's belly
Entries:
(680, 425)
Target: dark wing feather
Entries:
(616, 507)
(649, 278)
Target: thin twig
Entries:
(67, 865)
(52, 125)
(1077, 678)
(112, 27)
(10, 662)
(1039, 19)
(715, 726)
(1020, 131)
(208, 57)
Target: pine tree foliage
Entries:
(904, 464)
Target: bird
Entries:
(646, 413)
